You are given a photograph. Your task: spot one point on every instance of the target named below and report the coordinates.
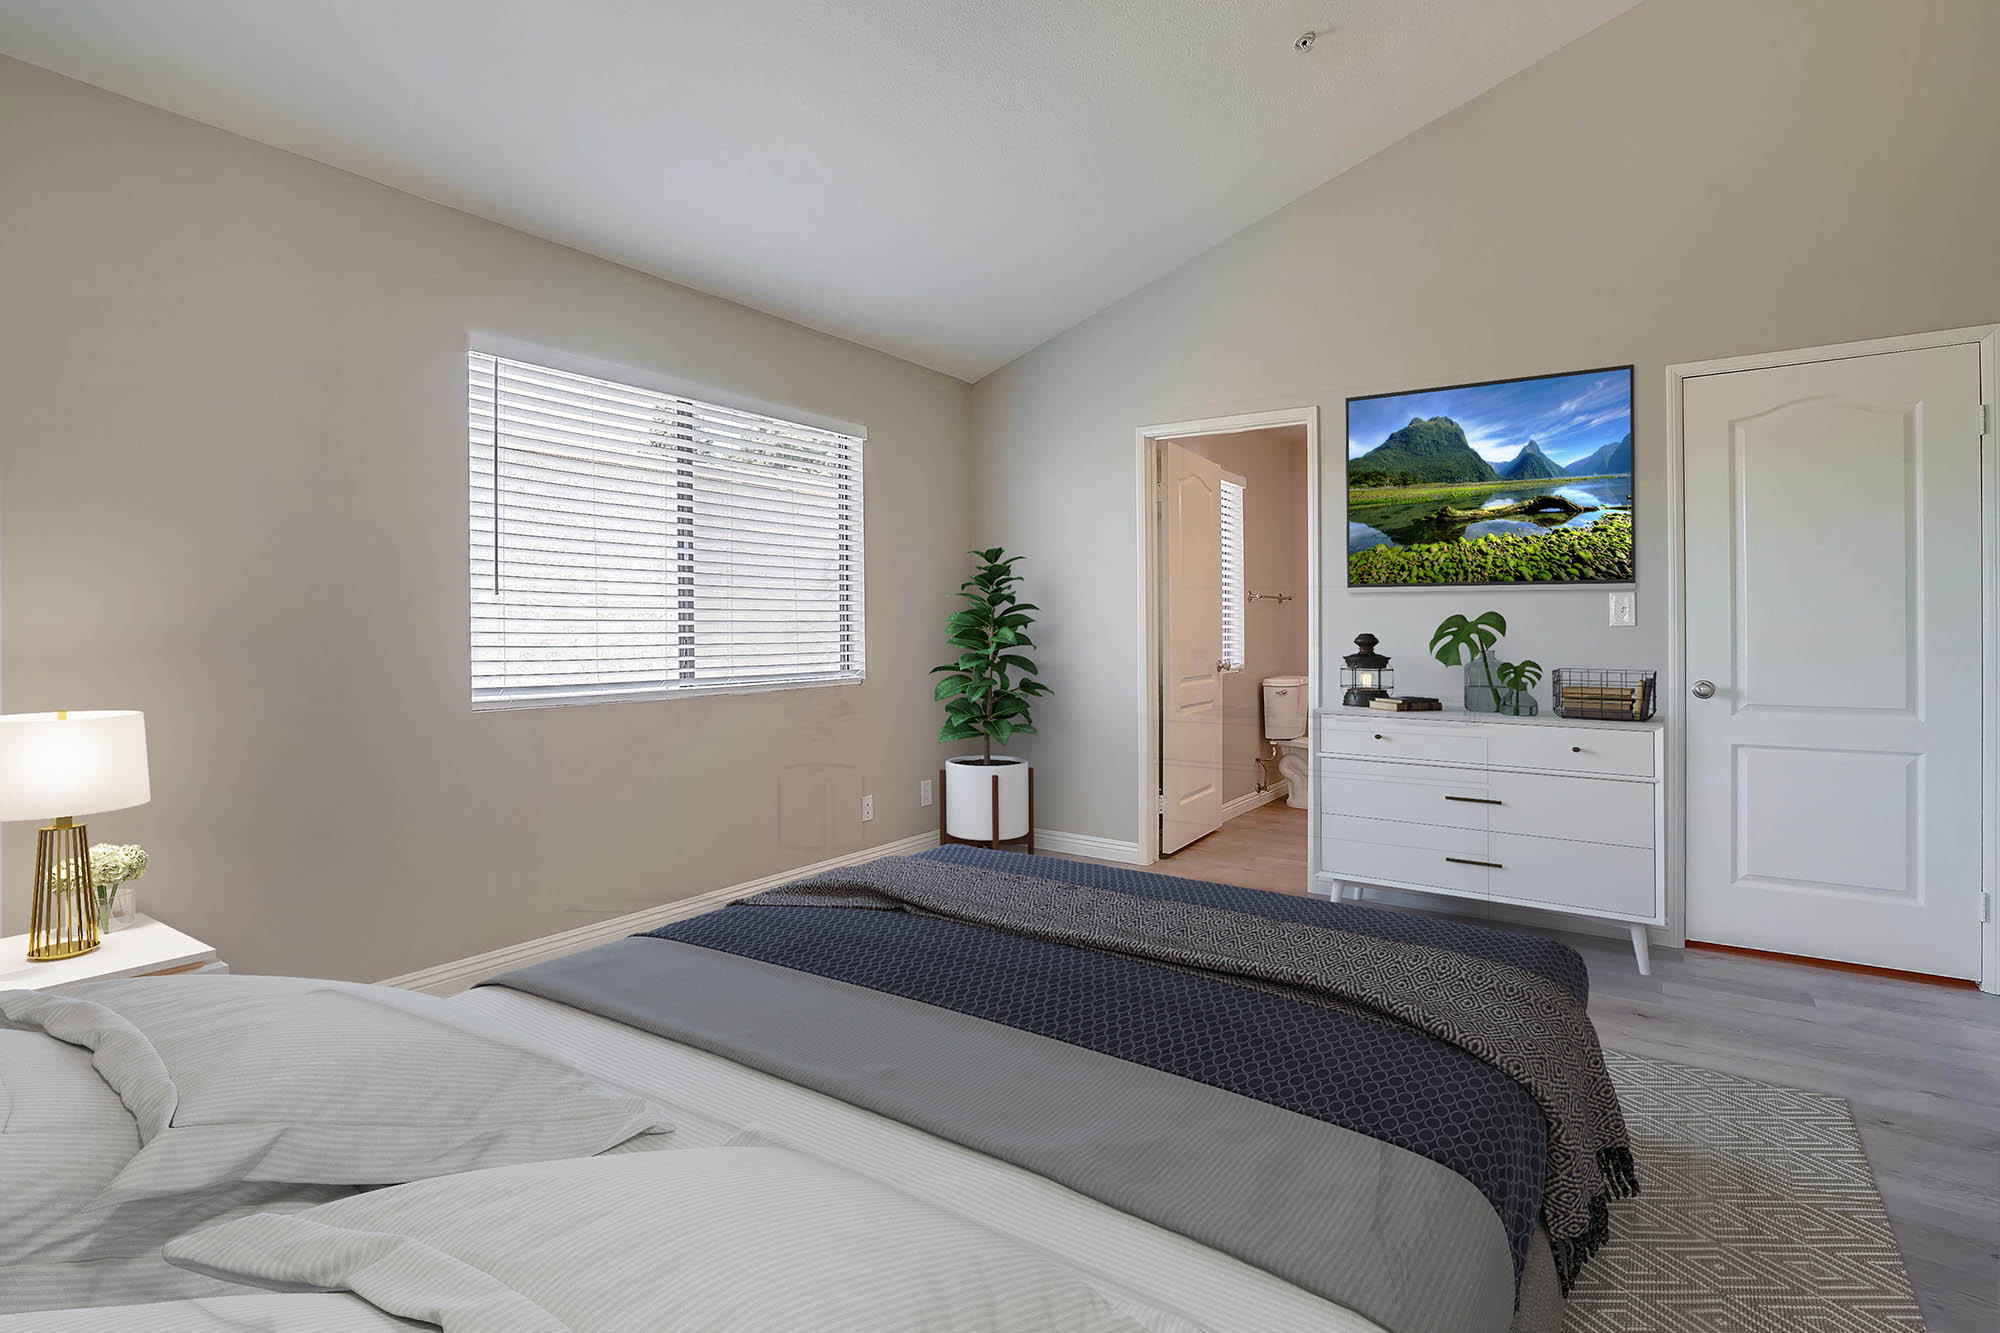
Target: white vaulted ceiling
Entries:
(953, 181)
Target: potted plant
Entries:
(986, 694)
(1467, 643)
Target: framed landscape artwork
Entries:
(1525, 481)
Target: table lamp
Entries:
(56, 766)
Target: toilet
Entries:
(1285, 727)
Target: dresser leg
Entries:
(1642, 951)
(1336, 890)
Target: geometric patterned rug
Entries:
(1757, 1214)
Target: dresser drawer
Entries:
(1412, 793)
(1380, 850)
(1471, 842)
(1405, 741)
(1583, 809)
(1573, 749)
(1582, 876)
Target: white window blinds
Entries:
(1232, 575)
(631, 543)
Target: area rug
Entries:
(1757, 1214)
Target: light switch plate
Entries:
(1623, 611)
(924, 796)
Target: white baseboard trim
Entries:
(1251, 800)
(1084, 844)
(465, 973)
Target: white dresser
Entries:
(1533, 811)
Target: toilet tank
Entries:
(1284, 707)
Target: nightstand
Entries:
(146, 948)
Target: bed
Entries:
(1244, 1110)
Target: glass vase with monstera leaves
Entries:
(1519, 680)
(1459, 642)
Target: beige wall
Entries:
(233, 494)
(1696, 178)
(1272, 464)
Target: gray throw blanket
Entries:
(1522, 1024)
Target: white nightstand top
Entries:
(142, 947)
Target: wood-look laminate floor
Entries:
(1263, 848)
(1920, 1064)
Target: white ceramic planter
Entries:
(968, 794)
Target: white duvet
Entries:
(712, 1101)
(1091, 1266)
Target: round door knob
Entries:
(1704, 689)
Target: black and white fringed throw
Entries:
(1524, 1025)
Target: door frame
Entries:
(1146, 451)
(1987, 338)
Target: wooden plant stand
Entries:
(995, 842)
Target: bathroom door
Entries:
(1191, 732)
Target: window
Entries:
(1232, 574)
(630, 543)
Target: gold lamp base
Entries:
(65, 917)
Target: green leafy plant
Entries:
(1460, 642)
(987, 691)
(1521, 678)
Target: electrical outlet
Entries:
(867, 808)
(924, 794)
(1623, 612)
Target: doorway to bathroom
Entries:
(1229, 618)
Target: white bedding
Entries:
(712, 1101)
(64, 1135)
(696, 1241)
(263, 1312)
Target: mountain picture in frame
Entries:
(1522, 481)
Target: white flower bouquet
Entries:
(111, 866)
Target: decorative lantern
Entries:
(1367, 675)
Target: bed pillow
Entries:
(243, 1078)
(64, 1135)
(222, 1314)
(746, 1238)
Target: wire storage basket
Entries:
(1614, 694)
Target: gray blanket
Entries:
(1522, 1024)
(1385, 1232)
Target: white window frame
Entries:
(1235, 596)
(701, 400)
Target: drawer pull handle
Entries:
(1576, 749)
(1475, 800)
(1380, 737)
(1462, 861)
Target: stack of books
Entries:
(1605, 701)
(1409, 703)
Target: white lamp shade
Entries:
(58, 764)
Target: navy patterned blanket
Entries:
(1358, 1071)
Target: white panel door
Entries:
(1191, 732)
(1834, 657)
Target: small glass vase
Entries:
(1483, 690)
(117, 906)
